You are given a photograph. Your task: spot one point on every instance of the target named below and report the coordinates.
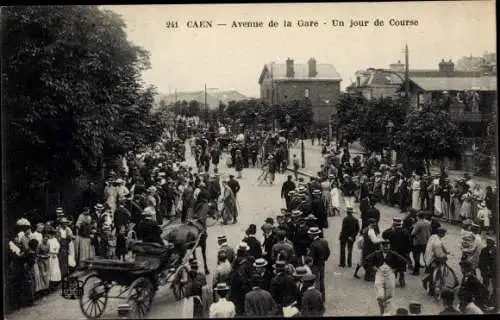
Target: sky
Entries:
(225, 58)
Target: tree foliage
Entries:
(72, 93)
(349, 114)
(429, 134)
(375, 115)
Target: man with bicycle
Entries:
(435, 255)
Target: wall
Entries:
(319, 91)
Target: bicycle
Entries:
(439, 278)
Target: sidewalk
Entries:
(355, 149)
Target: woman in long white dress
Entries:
(54, 268)
(415, 193)
(337, 198)
(325, 189)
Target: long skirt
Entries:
(474, 209)
(40, 283)
(327, 200)
(43, 266)
(63, 258)
(54, 269)
(415, 199)
(466, 209)
(385, 285)
(438, 209)
(455, 208)
(445, 207)
(83, 249)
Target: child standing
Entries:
(121, 243)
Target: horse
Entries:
(183, 235)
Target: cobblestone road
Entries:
(346, 296)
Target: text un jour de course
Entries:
(300, 23)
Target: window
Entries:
(358, 81)
(306, 93)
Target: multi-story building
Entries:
(319, 83)
(470, 95)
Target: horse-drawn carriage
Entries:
(137, 282)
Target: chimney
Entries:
(397, 67)
(289, 68)
(446, 67)
(312, 67)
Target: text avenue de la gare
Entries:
(301, 23)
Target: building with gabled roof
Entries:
(317, 82)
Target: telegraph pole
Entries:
(272, 94)
(407, 77)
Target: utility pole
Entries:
(272, 94)
(407, 77)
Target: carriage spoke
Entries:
(98, 305)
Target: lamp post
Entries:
(302, 151)
(390, 128)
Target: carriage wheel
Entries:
(178, 283)
(95, 297)
(140, 297)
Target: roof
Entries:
(325, 72)
(213, 97)
(456, 84)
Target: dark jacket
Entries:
(350, 228)
(283, 289)
(260, 303)
(320, 251)
(400, 241)
(348, 188)
(287, 187)
(148, 230)
(240, 283)
(312, 304)
(318, 210)
(234, 185)
(255, 247)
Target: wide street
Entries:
(346, 296)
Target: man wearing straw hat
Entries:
(312, 302)
(283, 287)
(259, 302)
(319, 251)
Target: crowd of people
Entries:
(284, 275)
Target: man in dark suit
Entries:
(148, 229)
(400, 241)
(350, 228)
(283, 287)
(318, 209)
(313, 304)
(259, 302)
(288, 186)
(371, 213)
(240, 278)
(234, 185)
(319, 252)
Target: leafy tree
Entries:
(72, 95)
(350, 110)
(193, 109)
(298, 112)
(374, 135)
(429, 134)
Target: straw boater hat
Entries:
(221, 287)
(296, 213)
(300, 272)
(349, 210)
(99, 206)
(243, 246)
(313, 231)
(23, 222)
(311, 217)
(316, 192)
(260, 263)
(119, 181)
(279, 266)
(64, 220)
(397, 221)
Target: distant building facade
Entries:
(319, 83)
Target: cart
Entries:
(135, 281)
